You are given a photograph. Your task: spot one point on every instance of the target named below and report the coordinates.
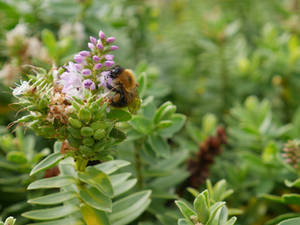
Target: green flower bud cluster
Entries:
(90, 132)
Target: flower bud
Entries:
(93, 40)
(86, 131)
(110, 39)
(98, 66)
(84, 53)
(91, 46)
(114, 47)
(88, 141)
(96, 58)
(75, 123)
(109, 57)
(99, 46)
(86, 72)
(109, 63)
(78, 59)
(102, 35)
(74, 132)
(99, 134)
(85, 115)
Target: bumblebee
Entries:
(124, 87)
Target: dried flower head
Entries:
(291, 153)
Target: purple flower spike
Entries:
(89, 84)
(102, 35)
(109, 57)
(86, 72)
(96, 58)
(109, 63)
(93, 40)
(98, 66)
(78, 58)
(114, 47)
(91, 46)
(84, 53)
(110, 39)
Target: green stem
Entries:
(138, 164)
(81, 165)
(224, 82)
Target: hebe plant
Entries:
(72, 105)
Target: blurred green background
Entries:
(234, 63)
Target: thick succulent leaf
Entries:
(52, 182)
(293, 221)
(160, 146)
(178, 121)
(46, 163)
(98, 179)
(291, 199)
(141, 124)
(186, 211)
(201, 207)
(231, 221)
(112, 166)
(70, 220)
(119, 115)
(123, 187)
(282, 217)
(94, 198)
(51, 213)
(295, 183)
(184, 222)
(215, 210)
(119, 178)
(93, 216)
(53, 199)
(128, 209)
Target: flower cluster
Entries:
(71, 103)
(90, 69)
(292, 153)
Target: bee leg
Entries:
(116, 98)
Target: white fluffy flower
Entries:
(23, 88)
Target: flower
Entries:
(98, 66)
(91, 46)
(84, 53)
(291, 153)
(22, 89)
(89, 84)
(96, 58)
(102, 35)
(93, 40)
(114, 47)
(78, 58)
(110, 39)
(109, 57)
(86, 72)
(109, 63)
(99, 45)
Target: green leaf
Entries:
(93, 216)
(98, 179)
(186, 211)
(123, 187)
(178, 121)
(51, 213)
(49, 41)
(273, 198)
(128, 209)
(295, 183)
(291, 198)
(141, 124)
(57, 146)
(112, 166)
(119, 115)
(94, 198)
(160, 146)
(160, 111)
(46, 163)
(231, 221)
(282, 217)
(142, 81)
(214, 212)
(184, 222)
(119, 178)
(71, 220)
(53, 182)
(16, 157)
(53, 199)
(201, 207)
(117, 134)
(293, 221)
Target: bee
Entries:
(124, 87)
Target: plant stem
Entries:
(81, 164)
(138, 164)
